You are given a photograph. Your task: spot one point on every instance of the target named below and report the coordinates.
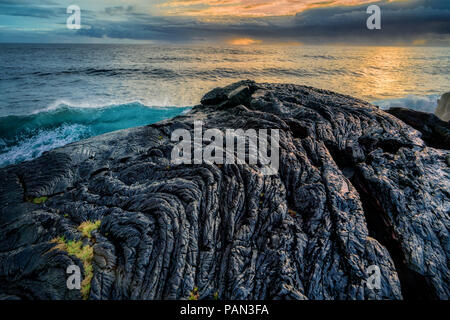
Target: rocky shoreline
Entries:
(356, 187)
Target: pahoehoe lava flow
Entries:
(356, 187)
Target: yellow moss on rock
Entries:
(83, 252)
(87, 227)
(38, 200)
(292, 213)
(194, 295)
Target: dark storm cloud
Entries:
(152, 28)
(400, 21)
(28, 9)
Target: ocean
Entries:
(52, 95)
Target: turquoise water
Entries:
(25, 137)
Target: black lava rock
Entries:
(356, 187)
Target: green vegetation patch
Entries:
(83, 252)
(87, 227)
(38, 200)
(194, 295)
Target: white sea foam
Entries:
(27, 137)
(420, 103)
(41, 141)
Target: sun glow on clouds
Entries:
(248, 8)
(243, 41)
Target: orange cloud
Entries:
(248, 8)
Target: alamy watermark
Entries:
(252, 147)
(374, 279)
(74, 279)
(73, 22)
(374, 20)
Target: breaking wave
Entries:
(25, 137)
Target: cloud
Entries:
(416, 22)
(400, 21)
(248, 8)
(22, 8)
(119, 9)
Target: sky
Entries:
(235, 22)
